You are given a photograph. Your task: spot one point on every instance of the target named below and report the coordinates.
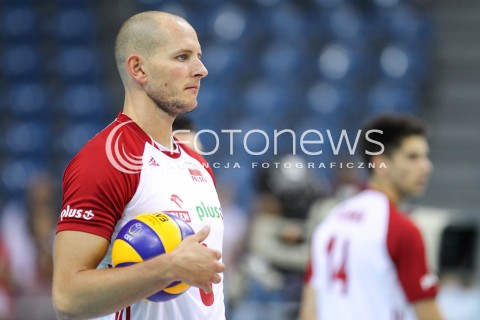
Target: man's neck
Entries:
(155, 122)
(387, 188)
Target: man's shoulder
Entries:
(119, 146)
(366, 200)
(120, 134)
(400, 219)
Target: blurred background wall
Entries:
(273, 64)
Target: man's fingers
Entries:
(216, 278)
(202, 234)
(206, 289)
(220, 267)
(217, 254)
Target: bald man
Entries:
(135, 166)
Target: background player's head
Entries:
(404, 165)
(158, 57)
(184, 130)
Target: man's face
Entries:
(409, 166)
(174, 71)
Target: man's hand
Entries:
(195, 264)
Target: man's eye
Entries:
(182, 57)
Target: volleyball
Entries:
(149, 235)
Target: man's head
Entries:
(158, 54)
(184, 130)
(404, 164)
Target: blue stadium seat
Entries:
(78, 63)
(331, 101)
(386, 3)
(74, 25)
(74, 137)
(411, 26)
(171, 6)
(214, 102)
(336, 61)
(229, 23)
(270, 101)
(347, 23)
(20, 2)
(269, 4)
(19, 23)
(222, 61)
(84, 102)
(388, 96)
(287, 21)
(28, 100)
(28, 138)
(280, 60)
(17, 172)
(75, 3)
(151, 2)
(239, 180)
(403, 64)
(22, 61)
(329, 3)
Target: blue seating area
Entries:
(273, 64)
(51, 90)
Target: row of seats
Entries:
(273, 64)
(334, 61)
(70, 25)
(53, 100)
(234, 21)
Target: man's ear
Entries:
(134, 66)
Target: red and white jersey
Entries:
(121, 173)
(368, 262)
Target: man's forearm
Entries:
(97, 292)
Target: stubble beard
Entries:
(173, 108)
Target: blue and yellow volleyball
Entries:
(149, 235)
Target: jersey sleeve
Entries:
(407, 250)
(95, 193)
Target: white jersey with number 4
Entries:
(368, 262)
(122, 173)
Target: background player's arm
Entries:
(82, 291)
(427, 310)
(307, 305)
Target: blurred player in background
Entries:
(277, 246)
(185, 132)
(367, 258)
(132, 167)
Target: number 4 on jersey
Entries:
(337, 271)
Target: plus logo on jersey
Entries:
(182, 214)
(208, 212)
(428, 281)
(76, 213)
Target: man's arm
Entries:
(427, 310)
(307, 305)
(82, 291)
